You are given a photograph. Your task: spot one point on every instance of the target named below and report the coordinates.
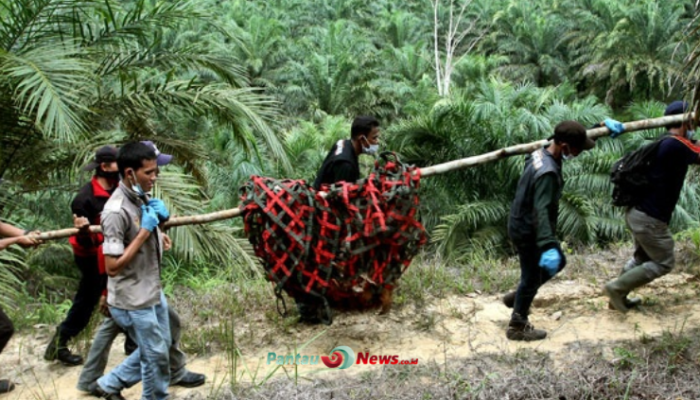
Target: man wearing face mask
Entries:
(133, 246)
(533, 222)
(648, 221)
(86, 207)
(98, 355)
(342, 165)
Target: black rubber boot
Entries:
(129, 345)
(58, 350)
(520, 328)
(308, 313)
(509, 299)
(6, 386)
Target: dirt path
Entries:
(572, 312)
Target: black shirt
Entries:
(341, 164)
(667, 175)
(89, 203)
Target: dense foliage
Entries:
(234, 88)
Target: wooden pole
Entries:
(530, 147)
(428, 171)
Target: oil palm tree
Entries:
(75, 75)
(469, 208)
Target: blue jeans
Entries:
(150, 329)
(98, 356)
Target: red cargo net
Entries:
(350, 245)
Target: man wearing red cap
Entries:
(86, 207)
(648, 219)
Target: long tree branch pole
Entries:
(428, 171)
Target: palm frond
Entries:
(50, 84)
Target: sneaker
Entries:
(97, 391)
(521, 329)
(191, 380)
(6, 386)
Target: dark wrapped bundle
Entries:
(345, 246)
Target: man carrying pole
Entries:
(86, 207)
(102, 342)
(132, 248)
(342, 165)
(648, 219)
(533, 222)
(13, 235)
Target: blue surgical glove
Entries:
(159, 207)
(616, 127)
(550, 261)
(149, 218)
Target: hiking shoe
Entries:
(58, 350)
(97, 391)
(509, 299)
(6, 386)
(191, 380)
(520, 328)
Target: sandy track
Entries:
(572, 312)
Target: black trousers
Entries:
(92, 283)
(532, 277)
(6, 329)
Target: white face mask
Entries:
(372, 149)
(137, 188)
(567, 157)
(689, 134)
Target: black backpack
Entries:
(630, 175)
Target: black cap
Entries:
(106, 154)
(676, 107)
(574, 134)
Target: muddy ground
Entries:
(440, 335)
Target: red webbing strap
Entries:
(361, 237)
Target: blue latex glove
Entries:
(550, 261)
(149, 218)
(616, 127)
(159, 207)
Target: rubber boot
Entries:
(308, 313)
(617, 289)
(634, 301)
(58, 350)
(509, 299)
(519, 328)
(129, 345)
(6, 386)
